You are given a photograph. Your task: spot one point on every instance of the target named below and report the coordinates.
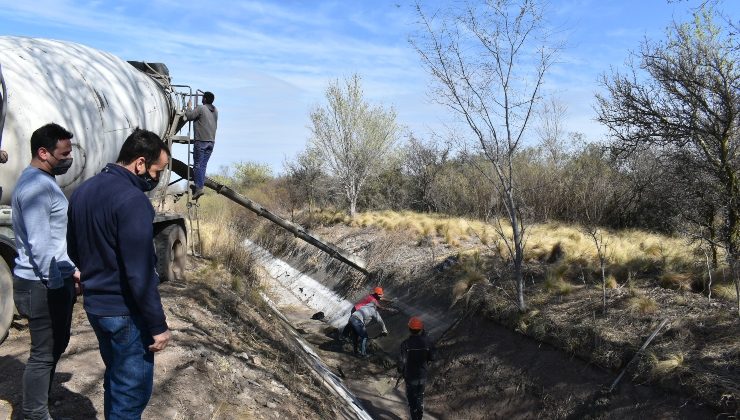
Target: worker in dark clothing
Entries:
(414, 356)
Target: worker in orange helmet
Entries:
(414, 356)
(375, 297)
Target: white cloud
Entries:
(268, 62)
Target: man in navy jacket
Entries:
(109, 238)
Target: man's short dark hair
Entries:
(208, 98)
(142, 143)
(47, 137)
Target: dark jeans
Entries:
(415, 397)
(201, 153)
(360, 335)
(49, 313)
(129, 365)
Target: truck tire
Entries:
(171, 247)
(7, 304)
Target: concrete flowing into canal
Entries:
(295, 297)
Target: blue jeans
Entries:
(129, 365)
(201, 153)
(49, 314)
(360, 336)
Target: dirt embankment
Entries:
(229, 359)
(555, 360)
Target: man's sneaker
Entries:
(198, 193)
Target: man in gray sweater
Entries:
(359, 320)
(45, 280)
(205, 121)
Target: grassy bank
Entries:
(650, 278)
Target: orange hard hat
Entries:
(378, 291)
(416, 324)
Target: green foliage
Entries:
(351, 136)
(251, 174)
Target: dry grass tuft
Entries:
(470, 271)
(675, 281)
(555, 283)
(724, 291)
(643, 305)
(664, 367)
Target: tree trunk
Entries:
(518, 252)
(737, 294)
(733, 223)
(603, 281)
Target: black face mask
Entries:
(150, 183)
(61, 167)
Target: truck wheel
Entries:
(7, 304)
(171, 247)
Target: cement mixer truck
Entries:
(100, 98)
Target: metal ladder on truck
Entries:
(181, 97)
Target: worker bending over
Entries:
(375, 297)
(414, 356)
(359, 320)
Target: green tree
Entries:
(248, 175)
(683, 97)
(352, 137)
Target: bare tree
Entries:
(304, 178)
(423, 164)
(594, 193)
(689, 102)
(489, 61)
(551, 130)
(351, 136)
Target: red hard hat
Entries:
(378, 291)
(416, 324)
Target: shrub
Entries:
(724, 291)
(642, 305)
(557, 285)
(675, 281)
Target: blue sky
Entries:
(268, 62)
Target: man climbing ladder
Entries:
(205, 118)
